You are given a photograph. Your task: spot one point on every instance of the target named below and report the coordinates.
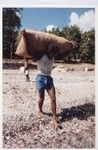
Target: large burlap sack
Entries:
(22, 48)
(34, 44)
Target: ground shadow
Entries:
(81, 112)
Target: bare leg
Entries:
(40, 102)
(51, 93)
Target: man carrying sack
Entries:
(44, 81)
(43, 47)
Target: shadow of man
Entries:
(81, 112)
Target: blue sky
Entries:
(40, 18)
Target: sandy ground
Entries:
(75, 92)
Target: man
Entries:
(44, 81)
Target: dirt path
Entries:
(75, 92)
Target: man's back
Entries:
(45, 65)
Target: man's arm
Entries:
(26, 68)
(26, 64)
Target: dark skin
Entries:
(51, 93)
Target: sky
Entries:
(47, 18)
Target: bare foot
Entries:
(55, 124)
(41, 115)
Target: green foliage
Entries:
(72, 33)
(11, 26)
(86, 40)
(87, 48)
(55, 31)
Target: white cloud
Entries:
(50, 27)
(85, 21)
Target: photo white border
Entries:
(30, 3)
(0, 77)
(52, 4)
(96, 74)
